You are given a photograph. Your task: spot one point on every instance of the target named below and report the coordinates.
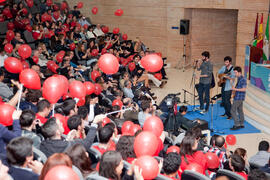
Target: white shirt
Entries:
(2, 59)
(90, 35)
(91, 114)
(98, 32)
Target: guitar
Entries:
(233, 91)
(222, 78)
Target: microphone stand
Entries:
(193, 82)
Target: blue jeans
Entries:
(204, 93)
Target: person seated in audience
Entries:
(75, 123)
(80, 159)
(266, 168)
(56, 159)
(17, 38)
(98, 31)
(261, 158)
(20, 158)
(257, 174)
(243, 153)
(125, 147)
(92, 104)
(28, 123)
(31, 99)
(171, 165)
(43, 110)
(133, 113)
(127, 89)
(147, 111)
(105, 136)
(5, 91)
(237, 165)
(53, 129)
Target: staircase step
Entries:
(261, 96)
(258, 108)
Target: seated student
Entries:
(257, 174)
(44, 109)
(20, 158)
(105, 136)
(243, 153)
(237, 165)
(261, 158)
(266, 168)
(31, 100)
(53, 129)
(75, 123)
(6, 135)
(125, 147)
(171, 165)
(146, 112)
(27, 122)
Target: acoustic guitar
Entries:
(222, 78)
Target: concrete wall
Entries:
(151, 20)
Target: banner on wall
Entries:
(260, 76)
(247, 59)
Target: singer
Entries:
(205, 78)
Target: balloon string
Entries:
(122, 110)
(20, 96)
(53, 110)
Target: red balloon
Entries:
(90, 87)
(60, 56)
(135, 128)
(2, 18)
(225, 145)
(55, 7)
(158, 76)
(94, 10)
(72, 46)
(149, 166)
(24, 51)
(146, 143)
(159, 54)
(29, 28)
(119, 12)
(64, 82)
(94, 75)
(126, 127)
(153, 124)
(103, 51)
(30, 79)
(173, 149)
(152, 62)
(94, 52)
(6, 112)
(117, 102)
(9, 35)
(24, 11)
(7, 13)
(26, 21)
(49, 2)
(56, 14)
(8, 48)
(63, 5)
(77, 89)
(80, 5)
(105, 121)
(25, 65)
(116, 30)
(195, 167)
(125, 37)
(52, 66)
(85, 26)
(10, 26)
(61, 173)
(131, 66)
(105, 29)
(35, 59)
(212, 160)
(81, 101)
(108, 64)
(231, 139)
(98, 89)
(30, 3)
(52, 89)
(13, 65)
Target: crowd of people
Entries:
(91, 136)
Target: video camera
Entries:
(169, 101)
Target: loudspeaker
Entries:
(184, 26)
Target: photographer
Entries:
(184, 122)
(131, 114)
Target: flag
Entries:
(260, 34)
(266, 41)
(254, 43)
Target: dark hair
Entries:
(108, 163)
(237, 163)
(27, 117)
(171, 163)
(105, 134)
(77, 153)
(41, 105)
(206, 54)
(66, 107)
(228, 58)
(33, 95)
(183, 109)
(74, 122)
(257, 174)
(145, 104)
(125, 146)
(213, 140)
(18, 149)
(195, 132)
(238, 69)
(219, 141)
(49, 128)
(83, 112)
(186, 146)
(2, 72)
(263, 146)
(241, 152)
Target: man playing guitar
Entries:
(226, 75)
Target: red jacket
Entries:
(197, 157)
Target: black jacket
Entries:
(22, 174)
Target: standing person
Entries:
(227, 73)
(206, 68)
(240, 93)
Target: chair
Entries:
(95, 176)
(3, 28)
(162, 177)
(29, 39)
(192, 175)
(39, 155)
(254, 166)
(231, 175)
(78, 172)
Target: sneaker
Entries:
(229, 118)
(197, 109)
(223, 115)
(203, 111)
(242, 126)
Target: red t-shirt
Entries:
(35, 35)
(41, 118)
(243, 174)
(111, 147)
(197, 157)
(65, 126)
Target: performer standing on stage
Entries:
(240, 93)
(206, 68)
(226, 74)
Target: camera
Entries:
(169, 101)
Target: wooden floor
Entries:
(179, 80)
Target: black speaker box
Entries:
(184, 26)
